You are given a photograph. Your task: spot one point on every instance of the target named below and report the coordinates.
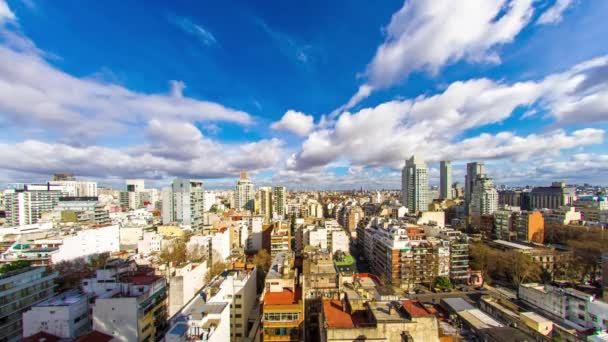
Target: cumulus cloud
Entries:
(555, 13)
(431, 125)
(220, 160)
(66, 114)
(427, 35)
(295, 122)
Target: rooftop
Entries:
(285, 297)
(513, 245)
(337, 318)
(64, 299)
(42, 337)
(95, 336)
(347, 260)
(415, 308)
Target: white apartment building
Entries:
(209, 199)
(66, 315)
(484, 199)
(223, 311)
(184, 203)
(151, 242)
(578, 309)
(77, 188)
(562, 215)
(243, 193)
(254, 237)
(185, 284)
(26, 206)
(415, 185)
(131, 302)
(88, 242)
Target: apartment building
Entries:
(66, 315)
(130, 303)
(226, 309)
(19, 290)
(283, 312)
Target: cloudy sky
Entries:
(309, 94)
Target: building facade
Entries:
(415, 185)
(445, 179)
(184, 203)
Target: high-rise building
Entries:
(183, 202)
(264, 204)
(243, 193)
(530, 226)
(25, 206)
(484, 199)
(279, 199)
(415, 185)
(445, 181)
(135, 185)
(473, 169)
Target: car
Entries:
(420, 291)
(446, 290)
(411, 292)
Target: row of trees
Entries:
(511, 266)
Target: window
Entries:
(238, 296)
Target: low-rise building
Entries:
(66, 315)
(130, 303)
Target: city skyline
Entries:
(338, 102)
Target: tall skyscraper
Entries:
(243, 193)
(183, 202)
(415, 185)
(279, 200)
(445, 181)
(473, 169)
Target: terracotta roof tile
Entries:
(415, 308)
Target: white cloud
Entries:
(295, 122)
(555, 13)
(189, 27)
(35, 94)
(432, 125)
(5, 12)
(427, 35)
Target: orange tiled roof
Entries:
(415, 308)
(285, 297)
(95, 336)
(334, 316)
(42, 337)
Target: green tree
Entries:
(443, 283)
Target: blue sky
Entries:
(312, 94)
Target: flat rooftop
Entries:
(513, 245)
(64, 299)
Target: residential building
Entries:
(66, 315)
(415, 185)
(563, 215)
(504, 225)
(77, 188)
(279, 200)
(19, 290)
(82, 210)
(484, 198)
(280, 239)
(283, 312)
(530, 226)
(473, 170)
(264, 205)
(183, 203)
(130, 303)
(406, 320)
(445, 179)
(577, 308)
(25, 206)
(184, 284)
(244, 193)
(226, 309)
(87, 242)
